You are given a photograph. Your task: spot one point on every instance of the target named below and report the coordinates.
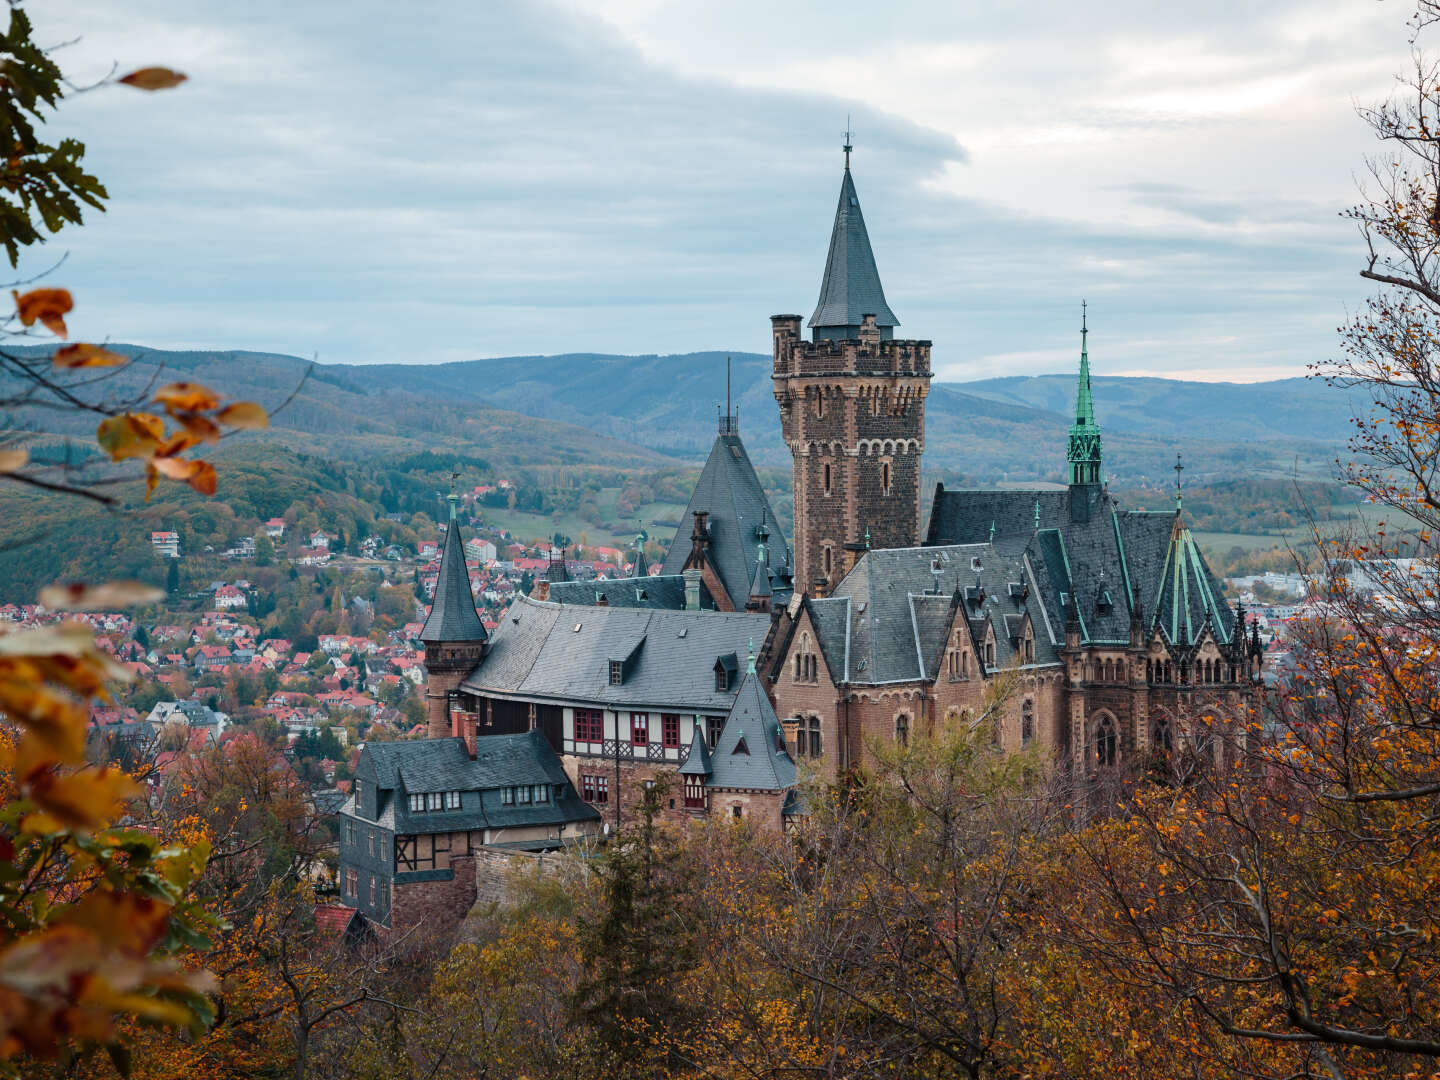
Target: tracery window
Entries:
(902, 729)
(1107, 742)
(1027, 723)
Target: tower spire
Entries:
(1083, 450)
(850, 290)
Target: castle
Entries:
(742, 661)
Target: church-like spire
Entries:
(452, 615)
(851, 287)
(1083, 451)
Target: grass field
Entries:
(526, 527)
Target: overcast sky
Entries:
(427, 181)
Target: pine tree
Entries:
(637, 949)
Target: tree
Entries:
(172, 577)
(264, 550)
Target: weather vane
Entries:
(847, 147)
(1179, 468)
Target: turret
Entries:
(1082, 452)
(454, 637)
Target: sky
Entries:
(426, 182)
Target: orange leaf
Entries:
(13, 460)
(88, 799)
(46, 306)
(153, 78)
(188, 396)
(198, 425)
(130, 435)
(104, 597)
(83, 356)
(204, 480)
(200, 475)
(244, 414)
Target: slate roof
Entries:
(666, 591)
(435, 765)
(730, 492)
(452, 613)
(749, 754)
(698, 762)
(1146, 561)
(537, 653)
(851, 287)
(887, 621)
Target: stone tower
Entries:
(852, 408)
(453, 635)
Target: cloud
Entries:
(431, 181)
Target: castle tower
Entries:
(453, 635)
(852, 408)
(1082, 452)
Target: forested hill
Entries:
(628, 411)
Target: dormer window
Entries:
(617, 672)
(722, 679)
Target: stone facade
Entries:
(446, 665)
(853, 415)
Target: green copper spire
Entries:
(1083, 451)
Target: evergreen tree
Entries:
(626, 994)
(172, 578)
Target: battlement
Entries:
(866, 354)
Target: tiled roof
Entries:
(730, 492)
(750, 752)
(1146, 562)
(851, 286)
(658, 591)
(452, 614)
(562, 652)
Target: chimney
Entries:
(692, 588)
(791, 727)
(868, 332)
(699, 537)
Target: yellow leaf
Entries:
(244, 414)
(200, 426)
(46, 306)
(87, 799)
(188, 396)
(153, 78)
(130, 435)
(13, 460)
(83, 356)
(104, 597)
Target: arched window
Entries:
(1027, 723)
(989, 654)
(813, 723)
(798, 661)
(827, 478)
(1161, 737)
(1029, 649)
(1107, 742)
(902, 729)
(885, 478)
(964, 665)
(820, 403)
(829, 559)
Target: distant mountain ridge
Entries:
(637, 411)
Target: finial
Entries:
(847, 147)
(1179, 468)
(1083, 330)
(1037, 515)
(992, 530)
(867, 537)
(452, 498)
(750, 666)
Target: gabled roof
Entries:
(730, 492)
(851, 286)
(562, 652)
(749, 754)
(1146, 561)
(452, 614)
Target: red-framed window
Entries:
(602, 789)
(589, 725)
(670, 730)
(587, 787)
(639, 728)
(594, 787)
(695, 792)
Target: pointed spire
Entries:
(1083, 450)
(760, 585)
(851, 287)
(452, 613)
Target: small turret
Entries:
(454, 637)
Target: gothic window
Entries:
(885, 478)
(829, 559)
(1107, 742)
(1160, 735)
(989, 654)
(798, 660)
(820, 404)
(1027, 723)
(813, 723)
(902, 729)
(828, 478)
(1029, 649)
(964, 664)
